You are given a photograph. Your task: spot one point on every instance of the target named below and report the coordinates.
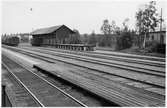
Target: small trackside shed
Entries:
(52, 35)
(159, 36)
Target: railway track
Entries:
(153, 58)
(43, 92)
(137, 76)
(16, 91)
(156, 61)
(110, 53)
(141, 68)
(159, 83)
(110, 84)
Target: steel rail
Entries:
(95, 53)
(112, 53)
(131, 68)
(105, 63)
(19, 81)
(111, 57)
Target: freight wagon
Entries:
(11, 41)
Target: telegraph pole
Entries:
(161, 21)
(30, 34)
(161, 41)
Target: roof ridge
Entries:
(50, 27)
(47, 30)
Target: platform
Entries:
(114, 92)
(29, 61)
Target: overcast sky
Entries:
(85, 16)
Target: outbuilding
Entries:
(158, 36)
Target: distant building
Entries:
(24, 37)
(52, 35)
(159, 36)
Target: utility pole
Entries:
(161, 21)
(30, 34)
(161, 38)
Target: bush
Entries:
(151, 46)
(106, 41)
(124, 41)
(92, 40)
(102, 42)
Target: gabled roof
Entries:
(47, 30)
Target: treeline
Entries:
(125, 39)
(112, 36)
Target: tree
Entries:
(117, 30)
(125, 24)
(105, 27)
(76, 31)
(147, 20)
(110, 28)
(113, 27)
(124, 41)
(92, 38)
(84, 38)
(75, 38)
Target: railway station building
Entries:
(52, 35)
(59, 37)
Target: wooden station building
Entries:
(57, 36)
(52, 35)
